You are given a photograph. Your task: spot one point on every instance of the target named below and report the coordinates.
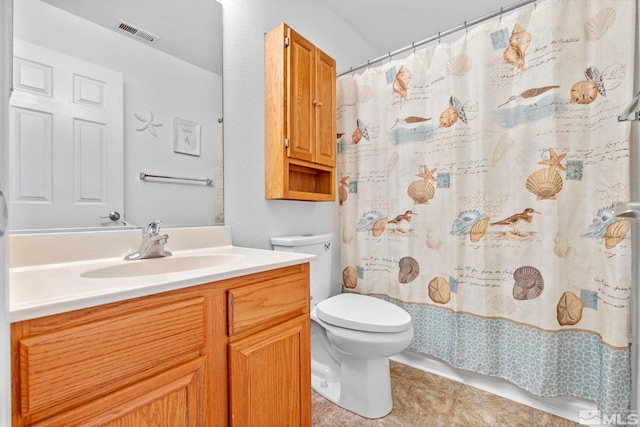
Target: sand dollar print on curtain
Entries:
(477, 179)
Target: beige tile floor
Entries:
(422, 399)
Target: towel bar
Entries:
(206, 181)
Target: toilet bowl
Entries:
(352, 336)
(350, 361)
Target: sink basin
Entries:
(165, 265)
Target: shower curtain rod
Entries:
(466, 25)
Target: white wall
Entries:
(153, 81)
(253, 219)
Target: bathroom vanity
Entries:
(214, 346)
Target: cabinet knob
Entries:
(317, 103)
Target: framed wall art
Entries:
(186, 137)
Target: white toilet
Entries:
(352, 335)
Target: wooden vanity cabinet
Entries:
(207, 355)
(270, 354)
(300, 118)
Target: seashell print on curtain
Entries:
(477, 181)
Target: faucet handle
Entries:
(152, 228)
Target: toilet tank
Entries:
(320, 268)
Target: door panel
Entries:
(90, 172)
(270, 379)
(66, 141)
(33, 132)
(173, 398)
(300, 116)
(326, 109)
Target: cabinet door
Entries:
(300, 95)
(172, 399)
(270, 377)
(325, 109)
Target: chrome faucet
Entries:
(152, 243)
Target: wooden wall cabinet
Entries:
(300, 118)
(234, 352)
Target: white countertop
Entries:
(42, 289)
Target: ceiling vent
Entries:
(136, 32)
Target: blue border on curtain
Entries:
(566, 363)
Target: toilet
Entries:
(352, 335)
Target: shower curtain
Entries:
(476, 182)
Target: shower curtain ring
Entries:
(413, 45)
(439, 38)
(501, 9)
(466, 29)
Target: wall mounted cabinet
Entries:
(300, 118)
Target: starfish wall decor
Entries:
(147, 123)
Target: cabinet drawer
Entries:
(63, 369)
(256, 307)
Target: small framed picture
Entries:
(186, 137)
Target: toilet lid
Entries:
(363, 313)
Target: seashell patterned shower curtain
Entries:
(477, 179)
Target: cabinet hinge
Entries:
(286, 41)
(286, 142)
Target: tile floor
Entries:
(422, 399)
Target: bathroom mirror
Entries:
(154, 68)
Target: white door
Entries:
(66, 141)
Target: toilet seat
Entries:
(363, 313)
